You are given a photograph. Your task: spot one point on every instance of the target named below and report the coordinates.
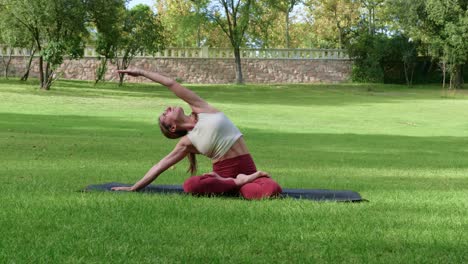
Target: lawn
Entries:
(403, 149)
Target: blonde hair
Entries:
(165, 130)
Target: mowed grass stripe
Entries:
(402, 148)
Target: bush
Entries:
(365, 51)
(376, 56)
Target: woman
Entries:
(209, 132)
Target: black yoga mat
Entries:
(311, 194)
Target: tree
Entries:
(32, 52)
(233, 17)
(57, 28)
(184, 22)
(6, 49)
(408, 55)
(370, 7)
(141, 33)
(442, 25)
(265, 30)
(107, 16)
(284, 7)
(366, 50)
(333, 19)
(13, 35)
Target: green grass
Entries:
(404, 149)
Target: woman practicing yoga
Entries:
(209, 132)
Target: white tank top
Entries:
(214, 134)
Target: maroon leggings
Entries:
(262, 187)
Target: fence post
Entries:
(204, 52)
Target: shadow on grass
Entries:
(110, 147)
(301, 150)
(288, 95)
(72, 125)
(372, 151)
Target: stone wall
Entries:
(198, 70)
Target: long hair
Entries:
(165, 129)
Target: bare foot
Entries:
(262, 174)
(216, 175)
(242, 179)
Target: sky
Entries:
(133, 3)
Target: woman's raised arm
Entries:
(197, 104)
(180, 151)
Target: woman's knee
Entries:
(192, 184)
(260, 189)
(208, 185)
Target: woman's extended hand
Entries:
(128, 189)
(132, 72)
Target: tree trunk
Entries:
(451, 81)
(405, 69)
(412, 74)
(28, 66)
(48, 78)
(101, 70)
(121, 75)
(239, 78)
(116, 61)
(41, 58)
(41, 71)
(458, 79)
(287, 30)
(7, 66)
(370, 21)
(6, 63)
(197, 10)
(121, 78)
(127, 58)
(443, 75)
(338, 26)
(198, 35)
(340, 37)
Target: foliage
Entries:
(333, 20)
(442, 25)
(265, 30)
(365, 50)
(285, 8)
(373, 12)
(369, 29)
(141, 33)
(57, 27)
(233, 17)
(12, 35)
(375, 55)
(185, 24)
(106, 16)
